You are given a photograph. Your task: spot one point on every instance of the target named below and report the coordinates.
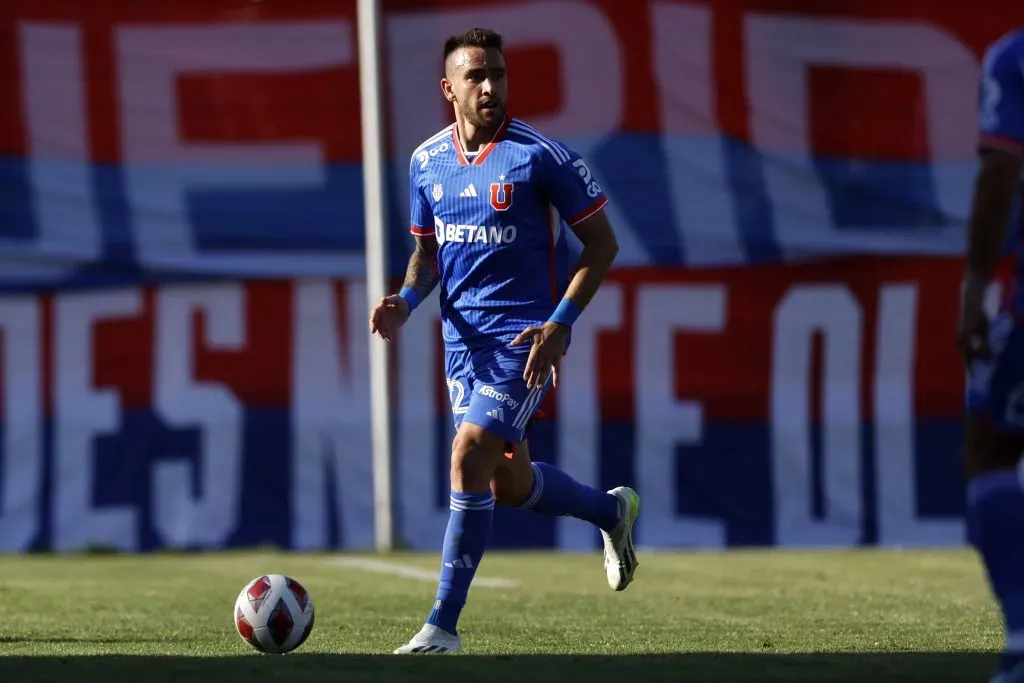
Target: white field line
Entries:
(407, 572)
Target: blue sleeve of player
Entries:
(570, 185)
(1001, 98)
(421, 219)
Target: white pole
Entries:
(374, 200)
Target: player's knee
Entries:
(513, 479)
(987, 449)
(474, 460)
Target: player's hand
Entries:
(547, 346)
(387, 316)
(972, 328)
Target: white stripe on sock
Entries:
(538, 487)
(459, 504)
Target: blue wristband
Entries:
(411, 296)
(566, 313)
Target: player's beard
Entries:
(484, 120)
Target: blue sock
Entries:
(995, 526)
(469, 525)
(556, 493)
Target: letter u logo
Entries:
(501, 196)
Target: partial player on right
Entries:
(994, 354)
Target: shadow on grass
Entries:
(685, 668)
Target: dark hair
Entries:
(474, 37)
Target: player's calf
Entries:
(554, 492)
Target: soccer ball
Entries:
(274, 614)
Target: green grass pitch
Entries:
(735, 616)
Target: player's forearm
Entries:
(985, 244)
(990, 217)
(422, 273)
(594, 263)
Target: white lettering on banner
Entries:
(84, 413)
(591, 108)
(779, 51)
(64, 205)
(832, 312)
(701, 195)
(207, 517)
(420, 518)
(21, 463)
(578, 396)
(895, 341)
(662, 421)
(160, 169)
(331, 440)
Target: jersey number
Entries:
(457, 394)
(593, 189)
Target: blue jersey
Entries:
(498, 216)
(1001, 114)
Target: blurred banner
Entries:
(804, 404)
(184, 347)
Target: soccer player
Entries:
(481, 196)
(994, 425)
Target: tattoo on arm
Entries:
(422, 273)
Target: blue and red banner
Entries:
(808, 404)
(183, 348)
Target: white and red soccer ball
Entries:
(274, 614)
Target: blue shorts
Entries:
(995, 387)
(486, 388)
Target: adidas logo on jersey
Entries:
(497, 414)
(470, 191)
